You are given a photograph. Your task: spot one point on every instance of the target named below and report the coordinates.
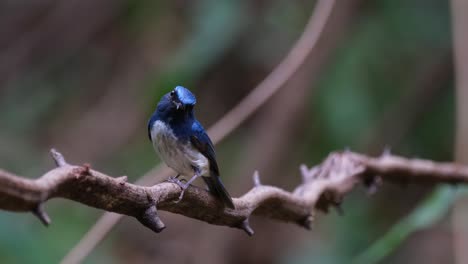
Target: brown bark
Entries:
(322, 186)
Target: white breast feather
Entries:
(180, 158)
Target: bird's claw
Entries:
(180, 196)
(175, 179)
(183, 186)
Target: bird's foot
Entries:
(182, 192)
(180, 183)
(183, 186)
(176, 180)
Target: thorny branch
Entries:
(322, 186)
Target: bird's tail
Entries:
(216, 187)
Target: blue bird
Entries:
(182, 143)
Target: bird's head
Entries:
(178, 102)
(181, 98)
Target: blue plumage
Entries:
(181, 141)
(185, 96)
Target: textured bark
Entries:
(322, 186)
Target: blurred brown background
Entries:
(83, 76)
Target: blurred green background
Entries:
(83, 76)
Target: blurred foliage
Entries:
(63, 64)
(431, 210)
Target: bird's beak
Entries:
(179, 105)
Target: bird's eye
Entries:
(172, 93)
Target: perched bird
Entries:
(181, 141)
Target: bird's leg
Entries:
(187, 184)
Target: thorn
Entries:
(307, 222)
(387, 151)
(246, 227)
(87, 168)
(77, 173)
(122, 180)
(83, 171)
(39, 212)
(256, 179)
(304, 172)
(150, 219)
(309, 174)
(149, 196)
(58, 158)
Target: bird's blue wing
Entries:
(202, 143)
(150, 124)
(149, 131)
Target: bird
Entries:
(183, 144)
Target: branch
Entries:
(322, 186)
